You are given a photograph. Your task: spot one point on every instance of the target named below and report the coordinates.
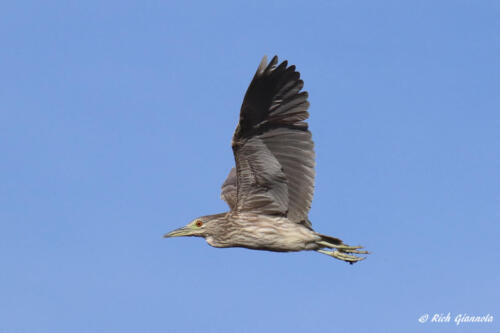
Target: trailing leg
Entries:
(340, 250)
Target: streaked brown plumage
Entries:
(270, 190)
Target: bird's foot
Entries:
(342, 256)
(342, 252)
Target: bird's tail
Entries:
(331, 240)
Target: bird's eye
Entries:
(199, 223)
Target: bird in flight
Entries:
(270, 190)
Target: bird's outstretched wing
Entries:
(272, 146)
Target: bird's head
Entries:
(196, 227)
(203, 226)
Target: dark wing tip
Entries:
(273, 62)
(273, 98)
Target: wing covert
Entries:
(228, 190)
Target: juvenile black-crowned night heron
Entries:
(270, 190)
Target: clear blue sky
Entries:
(115, 127)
